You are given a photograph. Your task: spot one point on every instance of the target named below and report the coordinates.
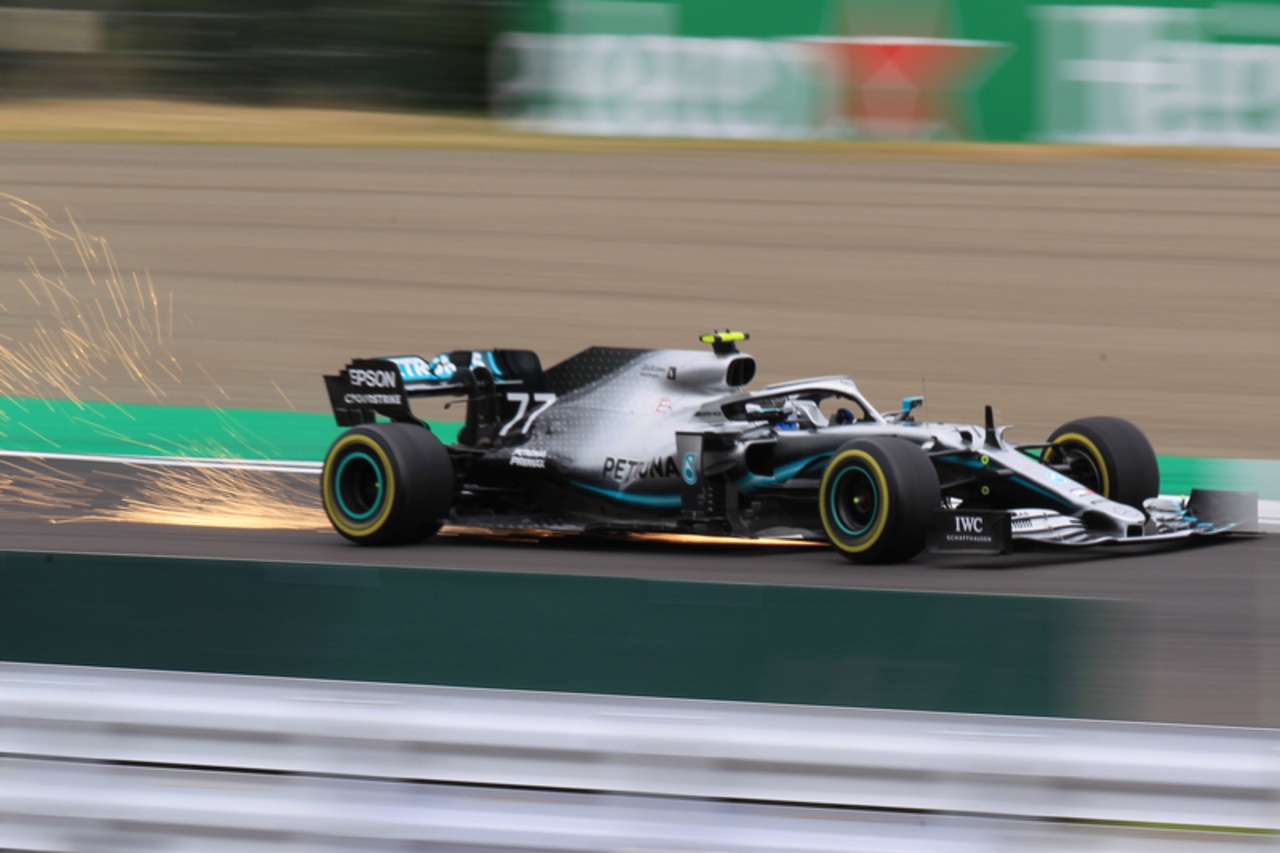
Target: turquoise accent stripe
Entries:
(750, 482)
(493, 365)
(670, 501)
(1023, 481)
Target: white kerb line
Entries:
(278, 466)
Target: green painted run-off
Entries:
(66, 427)
(63, 426)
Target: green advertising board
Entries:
(1007, 70)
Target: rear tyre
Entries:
(387, 484)
(1109, 455)
(877, 499)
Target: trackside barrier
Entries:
(738, 642)
(211, 754)
(47, 806)
(78, 807)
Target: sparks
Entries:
(218, 497)
(92, 323)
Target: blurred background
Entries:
(395, 54)
(1062, 210)
(1201, 73)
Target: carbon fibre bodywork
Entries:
(670, 440)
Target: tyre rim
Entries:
(854, 501)
(358, 486)
(1078, 464)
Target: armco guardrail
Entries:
(997, 767)
(149, 809)
(79, 807)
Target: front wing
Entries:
(1169, 517)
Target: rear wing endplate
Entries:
(489, 379)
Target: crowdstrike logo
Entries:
(372, 399)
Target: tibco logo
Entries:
(372, 378)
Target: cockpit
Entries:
(809, 409)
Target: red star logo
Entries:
(906, 86)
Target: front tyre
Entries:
(1109, 455)
(877, 499)
(387, 484)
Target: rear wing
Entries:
(498, 385)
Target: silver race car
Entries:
(670, 440)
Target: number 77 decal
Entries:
(541, 400)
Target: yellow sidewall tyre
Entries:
(877, 499)
(358, 487)
(1109, 455)
(387, 484)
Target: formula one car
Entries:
(669, 440)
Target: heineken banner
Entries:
(1009, 70)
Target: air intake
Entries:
(741, 371)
